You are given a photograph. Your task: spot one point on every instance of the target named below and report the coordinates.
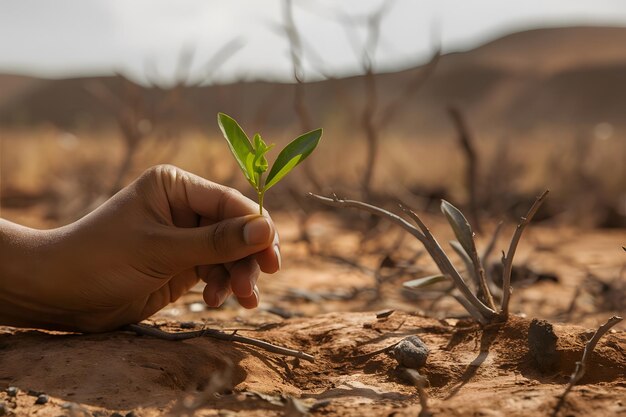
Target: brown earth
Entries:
(471, 371)
(536, 89)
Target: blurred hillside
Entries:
(565, 79)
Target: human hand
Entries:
(139, 251)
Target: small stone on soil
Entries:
(411, 352)
(542, 345)
(42, 399)
(12, 391)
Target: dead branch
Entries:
(471, 175)
(299, 103)
(581, 365)
(394, 218)
(480, 312)
(216, 334)
(508, 259)
(492, 243)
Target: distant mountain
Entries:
(560, 78)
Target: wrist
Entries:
(23, 264)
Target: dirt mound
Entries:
(122, 372)
(550, 50)
(539, 77)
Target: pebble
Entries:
(411, 352)
(12, 391)
(42, 399)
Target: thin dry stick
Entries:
(295, 52)
(492, 243)
(394, 218)
(420, 382)
(429, 242)
(508, 259)
(581, 365)
(216, 334)
(465, 140)
(479, 271)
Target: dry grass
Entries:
(76, 169)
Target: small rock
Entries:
(542, 345)
(197, 307)
(34, 393)
(411, 352)
(12, 391)
(384, 314)
(42, 399)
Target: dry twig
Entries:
(216, 334)
(508, 259)
(581, 365)
(492, 244)
(471, 175)
(299, 103)
(475, 307)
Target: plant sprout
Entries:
(251, 155)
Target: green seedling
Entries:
(251, 155)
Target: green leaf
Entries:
(424, 282)
(460, 226)
(292, 155)
(239, 145)
(259, 164)
(260, 149)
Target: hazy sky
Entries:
(84, 37)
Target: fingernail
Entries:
(221, 296)
(249, 289)
(256, 294)
(256, 231)
(278, 257)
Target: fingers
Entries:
(238, 278)
(269, 259)
(219, 243)
(188, 193)
(252, 301)
(217, 289)
(243, 277)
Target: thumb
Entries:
(226, 241)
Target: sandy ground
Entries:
(325, 302)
